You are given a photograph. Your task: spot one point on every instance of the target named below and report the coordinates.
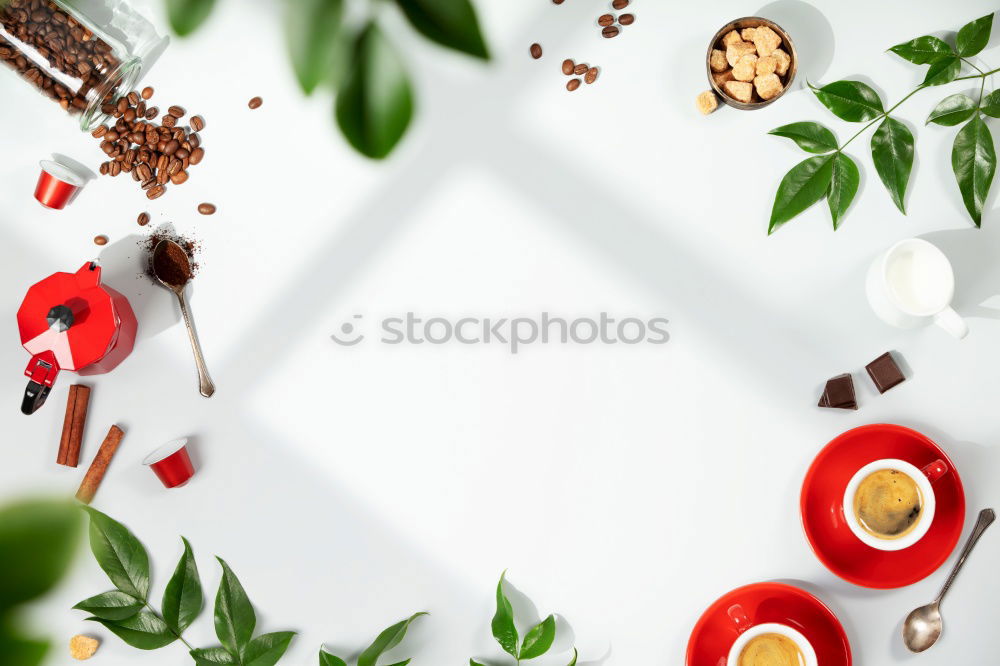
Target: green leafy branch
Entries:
(126, 611)
(374, 97)
(833, 175)
(536, 642)
(384, 642)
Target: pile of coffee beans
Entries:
(153, 153)
(569, 68)
(40, 32)
(611, 25)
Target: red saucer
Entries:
(823, 515)
(715, 632)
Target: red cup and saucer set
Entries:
(843, 547)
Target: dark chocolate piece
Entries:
(885, 373)
(839, 393)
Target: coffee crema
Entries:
(888, 504)
(771, 650)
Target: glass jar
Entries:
(82, 54)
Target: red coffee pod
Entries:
(57, 185)
(171, 463)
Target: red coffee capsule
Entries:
(57, 185)
(171, 463)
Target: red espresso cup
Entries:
(171, 463)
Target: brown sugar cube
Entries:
(722, 77)
(731, 37)
(717, 61)
(784, 61)
(747, 34)
(766, 65)
(739, 90)
(707, 102)
(768, 85)
(82, 647)
(736, 51)
(746, 68)
(766, 40)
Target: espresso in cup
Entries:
(888, 504)
(771, 649)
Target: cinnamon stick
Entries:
(72, 432)
(92, 480)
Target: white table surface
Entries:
(624, 488)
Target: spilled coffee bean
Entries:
(536, 51)
(206, 208)
(255, 103)
(572, 84)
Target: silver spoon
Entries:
(922, 627)
(205, 384)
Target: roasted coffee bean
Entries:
(581, 69)
(138, 138)
(197, 155)
(255, 102)
(161, 145)
(111, 135)
(605, 20)
(610, 31)
(108, 147)
(104, 168)
(557, 2)
(178, 134)
(182, 153)
(148, 183)
(99, 131)
(619, 4)
(162, 177)
(206, 208)
(162, 162)
(140, 109)
(147, 92)
(135, 176)
(568, 66)
(174, 166)
(115, 168)
(626, 19)
(197, 123)
(168, 121)
(176, 111)
(179, 178)
(152, 112)
(143, 219)
(100, 240)
(185, 163)
(536, 53)
(171, 147)
(129, 116)
(194, 140)
(591, 75)
(133, 98)
(155, 192)
(122, 105)
(572, 84)
(145, 173)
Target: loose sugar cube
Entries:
(707, 102)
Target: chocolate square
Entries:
(885, 373)
(839, 393)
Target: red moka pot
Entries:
(70, 321)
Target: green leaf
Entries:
(375, 102)
(120, 554)
(473, 662)
(943, 71)
(952, 110)
(573, 660)
(852, 101)
(451, 23)
(234, 616)
(183, 598)
(539, 639)
(991, 104)
(401, 663)
(503, 622)
(811, 137)
(973, 36)
(974, 161)
(844, 183)
(267, 649)
(923, 50)
(313, 29)
(327, 659)
(144, 630)
(805, 184)
(37, 540)
(892, 152)
(186, 16)
(19, 651)
(212, 656)
(114, 605)
(385, 641)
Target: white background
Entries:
(624, 487)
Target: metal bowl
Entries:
(786, 44)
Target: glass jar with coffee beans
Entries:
(82, 54)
